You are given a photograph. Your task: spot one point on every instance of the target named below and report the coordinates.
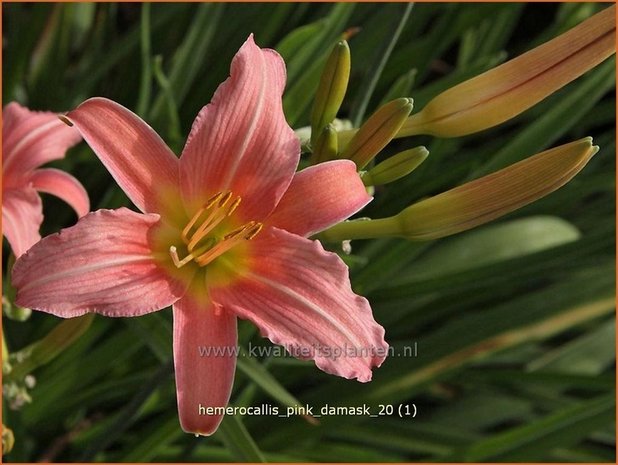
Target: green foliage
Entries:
(515, 344)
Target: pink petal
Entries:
(299, 296)
(320, 196)
(22, 215)
(13, 115)
(30, 139)
(241, 141)
(203, 380)
(138, 159)
(62, 185)
(103, 264)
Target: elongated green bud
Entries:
(511, 88)
(44, 350)
(479, 201)
(331, 90)
(395, 167)
(497, 194)
(377, 132)
(326, 146)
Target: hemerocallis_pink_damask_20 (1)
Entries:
(223, 234)
(31, 139)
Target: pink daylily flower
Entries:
(29, 140)
(223, 234)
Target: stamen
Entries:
(215, 213)
(254, 231)
(209, 203)
(225, 198)
(234, 206)
(214, 218)
(185, 232)
(238, 231)
(229, 241)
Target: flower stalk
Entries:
(46, 349)
(476, 202)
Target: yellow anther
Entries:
(225, 199)
(238, 231)
(234, 206)
(254, 231)
(211, 201)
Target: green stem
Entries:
(53, 344)
(145, 85)
(6, 366)
(10, 292)
(164, 82)
(363, 229)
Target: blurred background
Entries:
(512, 324)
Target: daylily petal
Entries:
(22, 215)
(138, 159)
(204, 360)
(103, 264)
(320, 196)
(241, 141)
(30, 139)
(64, 186)
(299, 296)
(13, 115)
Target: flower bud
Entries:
(497, 194)
(331, 90)
(511, 88)
(377, 132)
(478, 201)
(325, 146)
(44, 350)
(395, 167)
